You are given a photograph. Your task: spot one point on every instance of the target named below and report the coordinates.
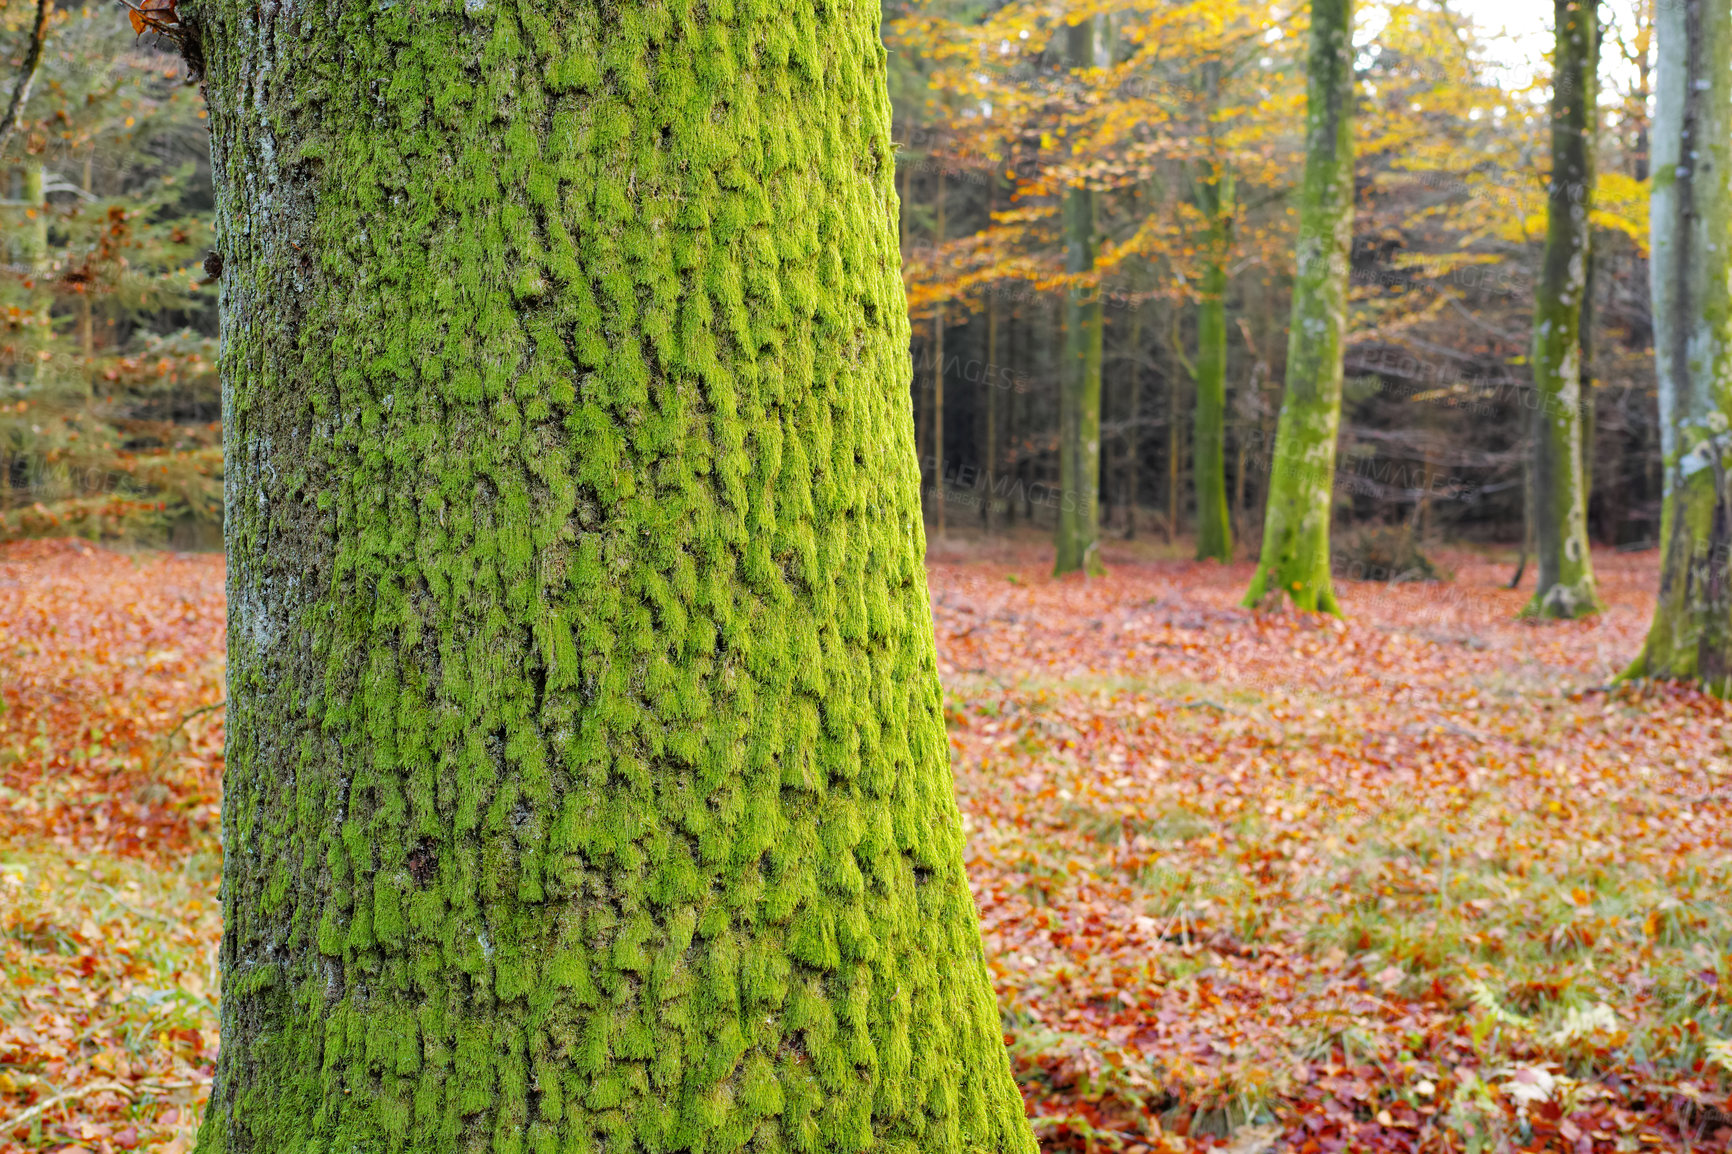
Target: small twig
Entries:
(73, 1095)
(168, 739)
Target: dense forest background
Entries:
(109, 405)
(110, 413)
(1451, 178)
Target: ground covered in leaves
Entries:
(1418, 881)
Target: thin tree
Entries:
(1077, 536)
(1565, 582)
(1295, 555)
(1209, 436)
(587, 783)
(992, 377)
(939, 493)
(1691, 636)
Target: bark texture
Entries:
(1295, 555)
(587, 783)
(1565, 584)
(1209, 439)
(1691, 636)
(1077, 536)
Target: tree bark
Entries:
(1691, 214)
(1209, 438)
(1294, 561)
(1564, 585)
(1077, 537)
(587, 781)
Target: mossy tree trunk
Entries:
(1691, 636)
(1209, 437)
(1565, 582)
(587, 784)
(1295, 555)
(1077, 537)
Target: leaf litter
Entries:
(1425, 879)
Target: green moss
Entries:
(587, 781)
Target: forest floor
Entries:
(1418, 880)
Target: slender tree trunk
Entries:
(921, 388)
(938, 492)
(1209, 438)
(1077, 538)
(1585, 343)
(1175, 440)
(1133, 439)
(86, 312)
(1245, 430)
(1294, 561)
(1239, 478)
(996, 382)
(587, 784)
(1564, 586)
(1691, 214)
(1639, 153)
(1022, 335)
(903, 200)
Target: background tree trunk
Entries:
(1130, 465)
(938, 489)
(1565, 573)
(1691, 637)
(587, 780)
(995, 382)
(1295, 552)
(1585, 370)
(1077, 538)
(1209, 441)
